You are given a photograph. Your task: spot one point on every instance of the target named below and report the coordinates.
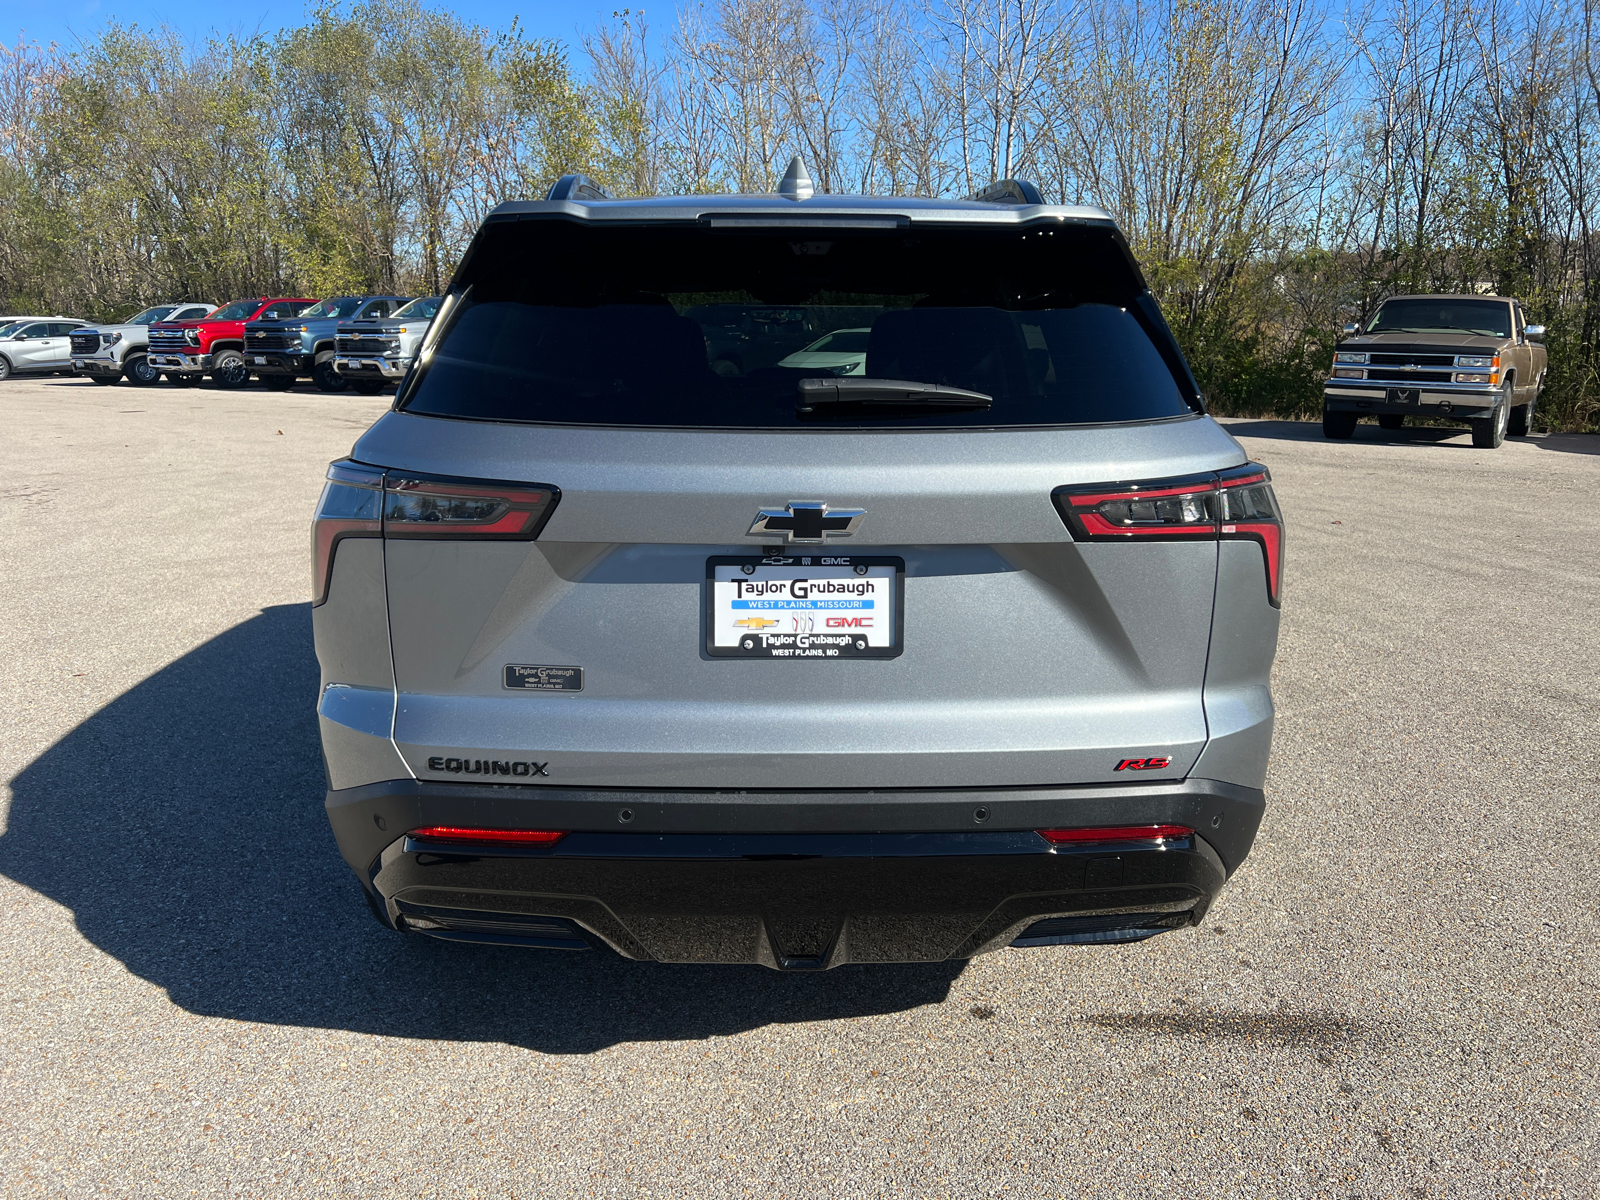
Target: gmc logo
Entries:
(849, 622)
(1144, 764)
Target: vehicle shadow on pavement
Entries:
(1568, 443)
(183, 826)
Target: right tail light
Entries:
(363, 501)
(1236, 504)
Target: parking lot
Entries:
(1394, 997)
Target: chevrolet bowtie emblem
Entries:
(808, 521)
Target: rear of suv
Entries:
(961, 646)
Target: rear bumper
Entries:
(372, 368)
(1456, 401)
(794, 880)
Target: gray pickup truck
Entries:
(279, 352)
(106, 353)
(374, 352)
(1462, 358)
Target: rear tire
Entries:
(103, 380)
(229, 370)
(139, 371)
(327, 379)
(183, 380)
(276, 383)
(1391, 421)
(1488, 433)
(368, 387)
(1340, 426)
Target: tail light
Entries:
(1116, 833)
(363, 501)
(1236, 504)
(351, 506)
(417, 506)
(494, 837)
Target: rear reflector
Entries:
(1116, 833)
(505, 837)
(1233, 505)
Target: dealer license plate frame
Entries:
(770, 645)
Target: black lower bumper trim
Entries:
(278, 364)
(1103, 930)
(793, 880)
(1445, 409)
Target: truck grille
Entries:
(85, 343)
(260, 339)
(1413, 360)
(168, 341)
(1393, 376)
(370, 345)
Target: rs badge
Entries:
(1144, 764)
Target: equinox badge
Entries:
(808, 521)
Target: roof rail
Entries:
(577, 187)
(1010, 191)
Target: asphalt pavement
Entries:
(1395, 997)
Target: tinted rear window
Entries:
(557, 322)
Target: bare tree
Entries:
(627, 87)
(1001, 53)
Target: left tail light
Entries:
(363, 501)
(351, 506)
(1236, 504)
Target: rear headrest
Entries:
(977, 348)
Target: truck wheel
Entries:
(1521, 422)
(327, 379)
(368, 387)
(229, 370)
(182, 380)
(1489, 432)
(1339, 426)
(103, 380)
(139, 371)
(1391, 421)
(276, 383)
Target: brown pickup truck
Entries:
(1463, 358)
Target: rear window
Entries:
(1491, 318)
(557, 322)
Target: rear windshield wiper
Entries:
(838, 390)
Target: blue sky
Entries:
(67, 21)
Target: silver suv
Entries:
(626, 644)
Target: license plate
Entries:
(260, 362)
(804, 606)
(1403, 396)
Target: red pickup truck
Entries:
(214, 345)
